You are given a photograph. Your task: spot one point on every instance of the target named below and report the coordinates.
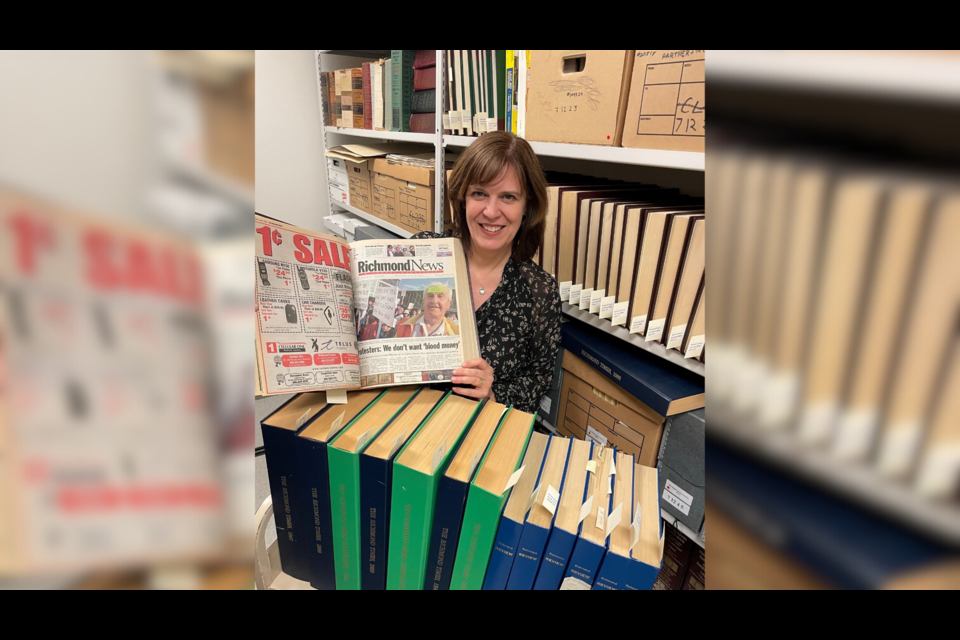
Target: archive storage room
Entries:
(481, 311)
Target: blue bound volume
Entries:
(447, 518)
(315, 497)
(653, 381)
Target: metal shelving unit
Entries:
(372, 219)
(393, 136)
(689, 160)
(657, 349)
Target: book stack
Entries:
(423, 104)
(371, 96)
(477, 86)
(414, 488)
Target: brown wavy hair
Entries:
(481, 164)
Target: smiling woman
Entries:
(498, 194)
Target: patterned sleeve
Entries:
(525, 390)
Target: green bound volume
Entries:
(486, 500)
(401, 87)
(416, 473)
(343, 456)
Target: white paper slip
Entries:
(303, 418)
(492, 124)
(606, 306)
(438, 456)
(854, 433)
(695, 346)
(676, 336)
(635, 527)
(898, 448)
(655, 331)
(565, 290)
(545, 403)
(336, 426)
(592, 466)
(939, 471)
(638, 324)
(677, 497)
(619, 317)
(532, 500)
(585, 295)
(817, 422)
(364, 439)
(615, 517)
(613, 468)
(396, 444)
(585, 509)
(595, 299)
(455, 120)
(481, 123)
(609, 485)
(446, 121)
(513, 479)
(337, 396)
(600, 518)
(575, 291)
(551, 500)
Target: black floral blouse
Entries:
(519, 332)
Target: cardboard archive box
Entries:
(403, 196)
(593, 406)
(578, 96)
(667, 101)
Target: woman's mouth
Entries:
(491, 229)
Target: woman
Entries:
(499, 196)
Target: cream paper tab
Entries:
(638, 324)
(592, 466)
(695, 346)
(606, 306)
(551, 500)
(514, 479)
(364, 439)
(492, 124)
(303, 418)
(481, 123)
(532, 500)
(585, 509)
(635, 527)
(595, 298)
(455, 122)
(615, 517)
(899, 447)
(655, 332)
(585, 295)
(676, 336)
(620, 313)
(565, 290)
(601, 513)
(609, 485)
(613, 468)
(396, 444)
(438, 456)
(446, 121)
(336, 426)
(337, 396)
(854, 433)
(575, 291)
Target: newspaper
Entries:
(409, 312)
(305, 334)
(373, 313)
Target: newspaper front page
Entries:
(305, 333)
(413, 323)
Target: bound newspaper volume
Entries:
(373, 313)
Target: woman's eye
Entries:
(478, 194)
(508, 197)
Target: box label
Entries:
(596, 436)
(585, 296)
(695, 347)
(677, 497)
(545, 403)
(565, 291)
(575, 291)
(595, 299)
(638, 324)
(676, 336)
(606, 306)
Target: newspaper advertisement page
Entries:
(407, 315)
(305, 335)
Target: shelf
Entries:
(373, 54)
(400, 136)
(657, 349)
(691, 160)
(857, 482)
(682, 528)
(372, 219)
(227, 187)
(911, 75)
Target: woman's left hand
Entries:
(479, 375)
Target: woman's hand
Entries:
(479, 375)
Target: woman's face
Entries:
(495, 211)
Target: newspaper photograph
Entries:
(408, 311)
(305, 332)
